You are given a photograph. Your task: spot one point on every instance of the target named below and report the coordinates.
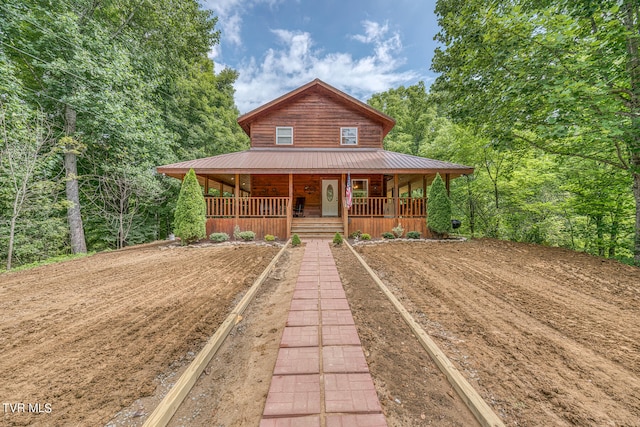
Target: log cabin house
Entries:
(293, 179)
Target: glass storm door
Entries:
(330, 193)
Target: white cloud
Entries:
(373, 31)
(297, 63)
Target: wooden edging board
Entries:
(163, 413)
(480, 409)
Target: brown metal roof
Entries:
(318, 85)
(314, 160)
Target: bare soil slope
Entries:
(547, 336)
(89, 336)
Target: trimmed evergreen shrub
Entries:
(269, 237)
(413, 235)
(190, 218)
(247, 235)
(337, 239)
(295, 240)
(365, 236)
(398, 231)
(355, 235)
(219, 237)
(388, 235)
(439, 209)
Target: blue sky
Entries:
(360, 47)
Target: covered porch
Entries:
(286, 191)
(312, 203)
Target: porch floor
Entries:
(321, 376)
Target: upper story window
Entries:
(349, 136)
(284, 135)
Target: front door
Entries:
(330, 192)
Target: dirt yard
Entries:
(84, 338)
(547, 336)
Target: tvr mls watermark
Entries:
(27, 408)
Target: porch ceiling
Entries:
(311, 161)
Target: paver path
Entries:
(321, 377)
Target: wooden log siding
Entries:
(248, 207)
(410, 207)
(316, 120)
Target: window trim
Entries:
(278, 129)
(342, 136)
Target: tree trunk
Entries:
(630, 20)
(636, 194)
(74, 217)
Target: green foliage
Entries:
(388, 235)
(439, 208)
(365, 236)
(295, 240)
(145, 92)
(190, 216)
(413, 235)
(247, 235)
(269, 237)
(219, 237)
(337, 239)
(355, 234)
(557, 77)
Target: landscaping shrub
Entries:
(219, 237)
(398, 231)
(388, 235)
(247, 235)
(236, 232)
(337, 239)
(439, 209)
(190, 218)
(413, 235)
(295, 240)
(355, 235)
(269, 237)
(365, 236)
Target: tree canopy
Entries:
(556, 76)
(125, 85)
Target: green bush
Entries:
(388, 235)
(247, 235)
(413, 235)
(295, 240)
(355, 235)
(337, 239)
(439, 209)
(365, 236)
(269, 237)
(236, 232)
(190, 218)
(219, 237)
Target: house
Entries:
(305, 145)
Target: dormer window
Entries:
(284, 136)
(349, 136)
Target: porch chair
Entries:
(299, 207)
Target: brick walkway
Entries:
(321, 377)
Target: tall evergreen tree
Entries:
(190, 217)
(439, 208)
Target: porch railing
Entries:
(248, 207)
(385, 207)
(276, 207)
